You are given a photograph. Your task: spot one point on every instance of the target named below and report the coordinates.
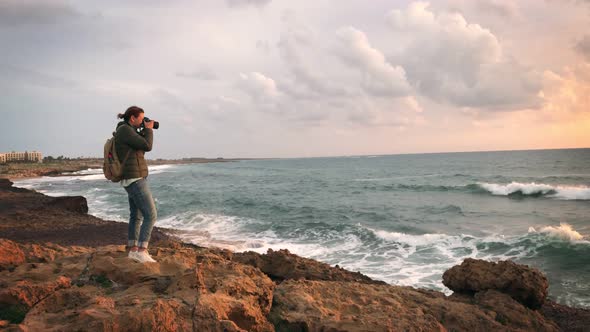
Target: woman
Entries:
(131, 146)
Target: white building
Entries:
(27, 156)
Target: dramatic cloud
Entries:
(447, 58)
(379, 76)
(583, 47)
(20, 12)
(302, 55)
(292, 78)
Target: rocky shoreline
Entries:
(65, 168)
(64, 270)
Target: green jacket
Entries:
(128, 140)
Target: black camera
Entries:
(146, 119)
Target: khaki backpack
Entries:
(112, 168)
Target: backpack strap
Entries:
(125, 160)
(126, 156)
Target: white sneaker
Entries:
(141, 256)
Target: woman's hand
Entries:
(149, 125)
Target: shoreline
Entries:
(24, 171)
(45, 239)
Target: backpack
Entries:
(112, 168)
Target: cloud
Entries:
(448, 59)
(258, 86)
(568, 91)
(245, 3)
(502, 8)
(583, 47)
(379, 76)
(22, 12)
(304, 57)
(402, 113)
(203, 74)
(15, 76)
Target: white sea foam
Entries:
(564, 232)
(160, 168)
(89, 171)
(553, 191)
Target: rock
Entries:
(511, 313)
(567, 318)
(75, 204)
(232, 292)
(187, 289)
(302, 305)
(282, 265)
(524, 284)
(27, 294)
(10, 254)
(5, 183)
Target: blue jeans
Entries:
(141, 204)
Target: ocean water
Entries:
(404, 219)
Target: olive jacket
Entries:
(128, 142)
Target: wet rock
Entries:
(524, 284)
(567, 318)
(5, 183)
(282, 265)
(75, 204)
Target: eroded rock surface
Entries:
(282, 265)
(302, 305)
(188, 289)
(524, 284)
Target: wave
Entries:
(564, 232)
(538, 189)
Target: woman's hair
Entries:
(133, 110)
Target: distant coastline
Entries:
(57, 168)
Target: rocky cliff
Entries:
(71, 277)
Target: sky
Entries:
(306, 78)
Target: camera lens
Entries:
(156, 123)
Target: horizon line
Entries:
(355, 155)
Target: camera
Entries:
(146, 119)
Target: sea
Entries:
(403, 219)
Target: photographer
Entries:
(134, 137)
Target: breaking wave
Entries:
(564, 232)
(538, 189)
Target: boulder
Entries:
(5, 183)
(282, 265)
(75, 204)
(524, 284)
